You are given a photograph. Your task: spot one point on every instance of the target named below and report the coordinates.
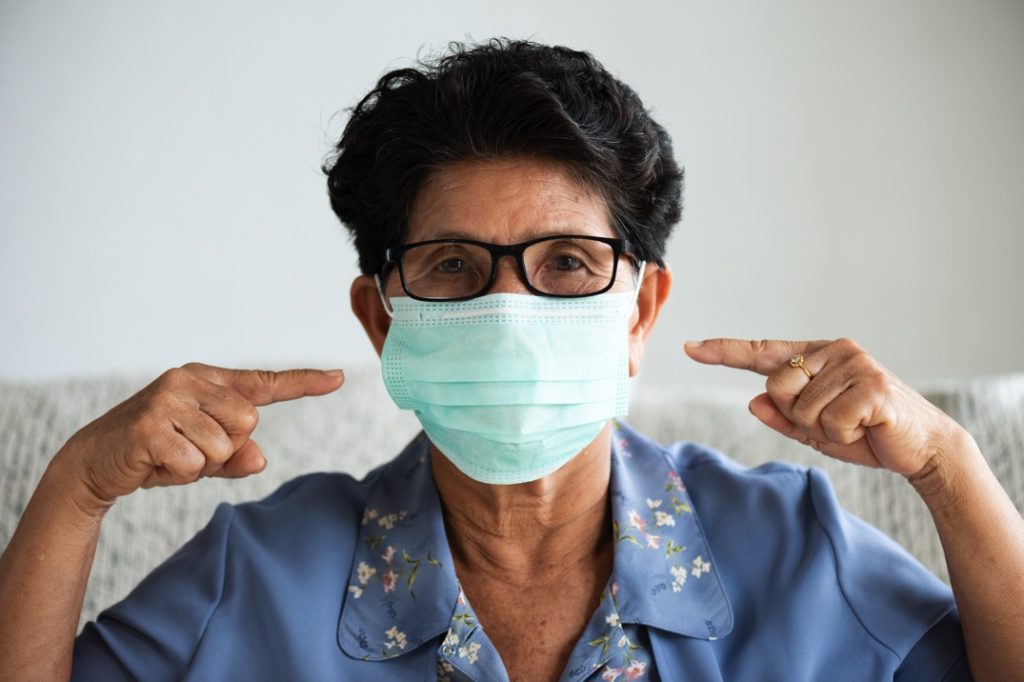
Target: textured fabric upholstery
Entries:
(358, 427)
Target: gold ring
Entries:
(798, 361)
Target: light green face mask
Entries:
(510, 386)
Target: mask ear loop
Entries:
(383, 298)
(639, 281)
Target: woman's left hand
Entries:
(850, 408)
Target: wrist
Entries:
(948, 474)
(68, 476)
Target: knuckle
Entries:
(868, 365)
(175, 376)
(168, 445)
(812, 392)
(846, 437)
(829, 419)
(174, 380)
(296, 376)
(848, 344)
(220, 446)
(879, 383)
(143, 429)
(859, 356)
(265, 376)
(833, 428)
(249, 417)
(161, 402)
(803, 413)
(161, 398)
(190, 473)
(847, 376)
(773, 384)
(184, 462)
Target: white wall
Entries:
(852, 169)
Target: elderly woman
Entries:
(510, 205)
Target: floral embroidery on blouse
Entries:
(464, 646)
(388, 571)
(638, 533)
(642, 528)
(618, 643)
(396, 641)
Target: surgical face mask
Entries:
(510, 387)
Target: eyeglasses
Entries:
(566, 266)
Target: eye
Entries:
(451, 266)
(566, 263)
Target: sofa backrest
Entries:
(358, 427)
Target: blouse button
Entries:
(448, 649)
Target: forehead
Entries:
(505, 201)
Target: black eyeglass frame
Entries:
(393, 258)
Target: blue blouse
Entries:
(720, 573)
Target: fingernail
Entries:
(335, 372)
(750, 407)
(693, 344)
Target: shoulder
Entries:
(310, 519)
(785, 546)
(723, 489)
(763, 514)
(699, 461)
(314, 500)
(280, 541)
(259, 577)
(747, 514)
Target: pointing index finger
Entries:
(263, 386)
(762, 356)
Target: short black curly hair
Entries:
(501, 99)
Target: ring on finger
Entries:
(798, 361)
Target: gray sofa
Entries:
(358, 427)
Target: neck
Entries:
(526, 532)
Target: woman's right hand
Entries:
(191, 421)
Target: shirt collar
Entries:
(664, 574)
(402, 588)
(403, 591)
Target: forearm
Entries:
(43, 575)
(982, 536)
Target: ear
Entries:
(368, 307)
(654, 290)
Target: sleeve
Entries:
(153, 633)
(895, 598)
(930, 657)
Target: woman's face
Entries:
(505, 202)
(508, 202)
